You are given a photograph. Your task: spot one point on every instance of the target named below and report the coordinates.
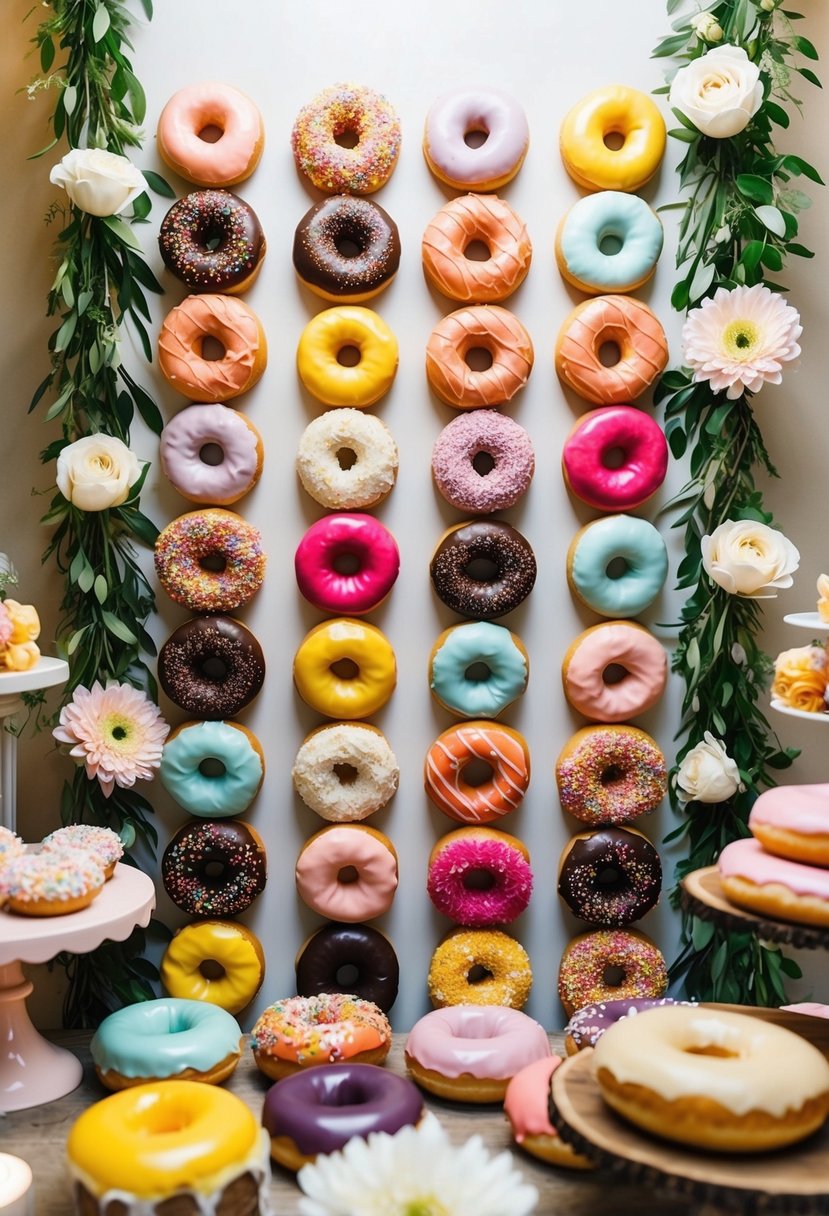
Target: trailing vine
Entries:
(739, 225)
(101, 283)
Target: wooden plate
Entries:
(792, 1182)
(702, 894)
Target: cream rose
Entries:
(749, 559)
(720, 92)
(99, 182)
(96, 472)
(708, 774)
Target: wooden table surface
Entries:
(39, 1135)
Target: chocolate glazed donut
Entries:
(335, 946)
(507, 580)
(214, 867)
(610, 877)
(212, 241)
(211, 667)
(330, 227)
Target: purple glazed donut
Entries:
(319, 1109)
(587, 1025)
(483, 461)
(195, 434)
(500, 860)
(330, 548)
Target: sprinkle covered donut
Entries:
(588, 957)
(212, 241)
(304, 1031)
(346, 249)
(346, 109)
(345, 772)
(483, 461)
(104, 844)
(511, 562)
(483, 219)
(502, 749)
(509, 976)
(347, 460)
(611, 877)
(185, 547)
(193, 109)
(214, 867)
(488, 328)
(459, 862)
(611, 774)
(187, 450)
(53, 883)
(588, 1024)
(211, 667)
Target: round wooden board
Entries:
(702, 894)
(791, 1182)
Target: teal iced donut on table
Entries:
(212, 769)
(617, 565)
(476, 670)
(608, 242)
(169, 1039)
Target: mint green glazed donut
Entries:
(639, 553)
(608, 242)
(212, 769)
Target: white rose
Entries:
(99, 182)
(707, 27)
(96, 472)
(720, 92)
(708, 774)
(749, 559)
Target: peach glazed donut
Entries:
(622, 648)
(479, 966)
(587, 965)
(212, 241)
(184, 548)
(587, 152)
(619, 322)
(468, 1053)
(476, 219)
(459, 159)
(363, 650)
(487, 328)
(501, 748)
(527, 1107)
(478, 877)
(322, 343)
(194, 110)
(345, 771)
(347, 872)
(220, 961)
(346, 249)
(332, 166)
(615, 458)
(230, 323)
(305, 1031)
(714, 1079)
(610, 774)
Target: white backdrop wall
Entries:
(548, 55)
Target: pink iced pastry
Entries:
(194, 109)
(352, 540)
(630, 650)
(761, 882)
(477, 852)
(483, 461)
(483, 163)
(347, 873)
(793, 821)
(193, 434)
(527, 1106)
(812, 1009)
(615, 458)
(237, 330)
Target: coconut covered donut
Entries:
(345, 772)
(347, 460)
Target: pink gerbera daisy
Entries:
(739, 339)
(116, 731)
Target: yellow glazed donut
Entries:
(325, 341)
(629, 115)
(169, 1145)
(345, 669)
(230, 954)
(507, 979)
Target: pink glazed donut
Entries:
(641, 659)
(483, 461)
(588, 463)
(187, 439)
(346, 540)
(480, 164)
(189, 112)
(469, 1053)
(347, 873)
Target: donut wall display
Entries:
(386, 532)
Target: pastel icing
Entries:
(485, 1041)
(603, 482)
(11, 845)
(180, 341)
(610, 214)
(490, 111)
(362, 541)
(527, 1100)
(484, 218)
(626, 323)
(57, 876)
(642, 658)
(478, 642)
(796, 808)
(634, 542)
(199, 793)
(748, 859)
(479, 326)
(210, 103)
(343, 847)
(103, 842)
(463, 441)
(165, 1037)
(191, 430)
(371, 475)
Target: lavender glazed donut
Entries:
(188, 445)
(468, 164)
(462, 858)
(483, 461)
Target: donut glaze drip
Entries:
(212, 241)
(326, 228)
(489, 541)
(185, 667)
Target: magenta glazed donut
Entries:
(615, 458)
(483, 461)
(479, 877)
(346, 563)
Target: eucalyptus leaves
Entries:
(739, 222)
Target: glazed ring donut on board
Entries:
(347, 872)
(619, 111)
(360, 950)
(346, 249)
(504, 750)
(488, 328)
(186, 452)
(508, 462)
(458, 659)
(353, 694)
(214, 867)
(223, 948)
(347, 460)
(212, 241)
(620, 648)
(324, 339)
(586, 242)
(774, 886)
(457, 863)
(197, 107)
(507, 975)
(615, 458)
(333, 167)
(610, 774)
(467, 164)
(509, 578)
(611, 876)
(212, 769)
(588, 958)
(486, 220)
(237, 330)
(611, 321)
(187, 547)
(211, 667)
(606, 544)
(792, 821)
(345, 771)
(304, 1031)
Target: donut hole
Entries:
(348, 875)
(611, 775)
(610, 878)
(609, 353)
(213, 870)
(345, 669)
(476, 137)
(477, 772)
(617, 567)
(711, 1049)
(610, 243)
(614, 673)
(477, 251)
(478, 880)
(478, 359)
(346, 458)
(346, 773)
(211, 133)
(614, 141)
(212, 767)
(349, 356)
(347, 563)
(165, 1118)
(211, 453)
(212, 350)
(613, 458)
(477, 672)
(349, 137)
(213, 563)
(481, 570)
(478, 974)
(348, 246)
(613, 976)
(214, 669)
(483, 463)
(211, 969)
(347, 976)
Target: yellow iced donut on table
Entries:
(214, 960)
(170, 1138)
(613, 139)
(345, 669)
(329, 337)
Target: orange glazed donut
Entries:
(235, 327)
(488, 328)
(500, 747)
(480, 219)
(194, 109)
(619, 321)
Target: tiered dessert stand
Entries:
(47, 673)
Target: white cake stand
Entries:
(33, 1070)
(815, 624)
(46, 673)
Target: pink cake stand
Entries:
(33, 1070)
